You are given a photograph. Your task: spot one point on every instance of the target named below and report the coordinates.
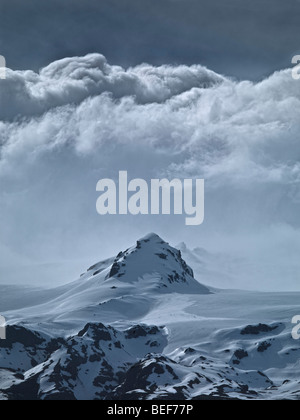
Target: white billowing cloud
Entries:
(219, 126)
(80, 119)
(72, 80)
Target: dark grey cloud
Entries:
(236, 37)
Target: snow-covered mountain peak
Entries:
(152, 263)
(153, 238)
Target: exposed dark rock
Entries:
(135, 332)
(258, 329)
(238, 356)
(263, 347)
(189, 351)
(115, 269)
(162, 256)
(97, 331)
(18, 334)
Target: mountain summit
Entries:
(151, 264)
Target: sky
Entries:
(188, 89)
(240, 38)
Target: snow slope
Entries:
(140, 326)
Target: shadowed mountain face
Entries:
(139, 326)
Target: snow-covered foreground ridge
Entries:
(140, 326)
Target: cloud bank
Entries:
(81, 119)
